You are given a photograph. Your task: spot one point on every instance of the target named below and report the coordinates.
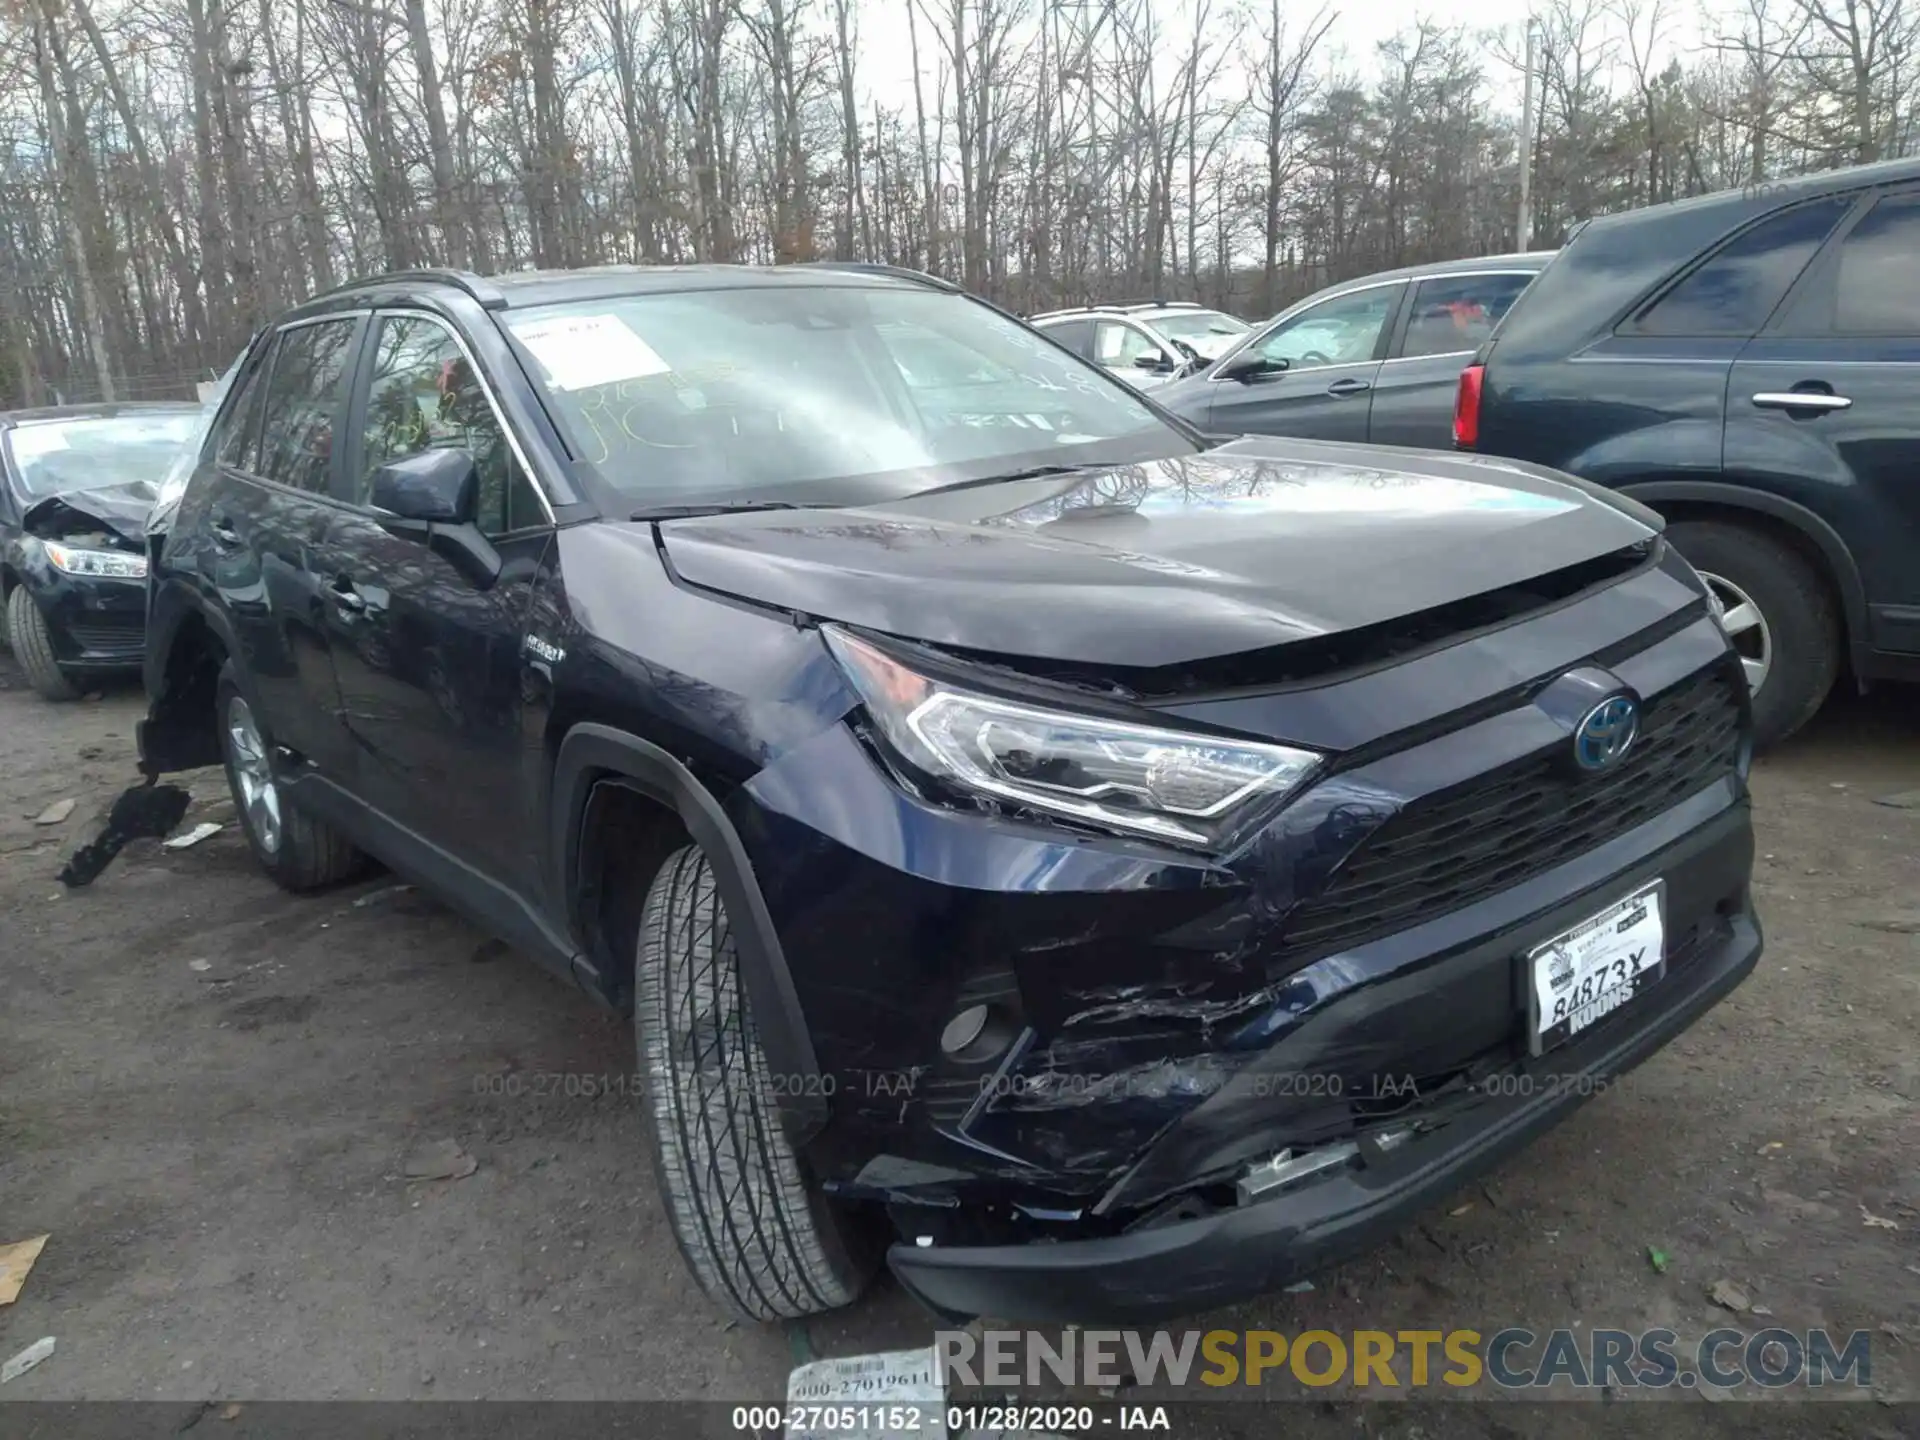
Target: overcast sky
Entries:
(886, 49)
(1358, 27)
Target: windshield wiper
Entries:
(718, 507)
(1033, 472)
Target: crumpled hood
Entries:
(1258, 543)
(122, 509)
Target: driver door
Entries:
(427, 645)
(1332, 353)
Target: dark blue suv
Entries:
(1748, 364)
(1106, 871)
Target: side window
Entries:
(1877, 289)
(1074, 334)
(1342, 331)
(1735, 291)
(1457, 313)
(423, 395)
(239, 442)
(303, 403)
(1123, 346)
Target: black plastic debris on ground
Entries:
(145, 812)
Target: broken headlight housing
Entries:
(112, 564)
(1189, 789)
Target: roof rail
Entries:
(898, 272)
(478, 286)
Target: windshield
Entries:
(58, 457)
(1208, 331)
(188, 457)
(822, 394)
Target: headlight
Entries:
(1190, 789)
(116, 564)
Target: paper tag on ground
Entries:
(581, 351)
(898, 1395)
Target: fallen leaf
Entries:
(55, 813)
(1877, 1222)
(230, 1411)
(439, 1160)
(1659, 1259)
(15, 1261)
(1728, 1295)
(1461, 1209)
(200, 966)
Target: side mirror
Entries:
(1151, 361)
(436, 487)
(1249, 364)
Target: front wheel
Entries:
(298, 851)
(758, 1235)
(1778, 613)
(33, 647)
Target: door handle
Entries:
(1800, 400)
(224, 535)
(346, 596)
(1349, 386)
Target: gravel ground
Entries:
(209, 1089)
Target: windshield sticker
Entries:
(32, 441)
(581, 352)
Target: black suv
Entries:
(1748, 364)
(1129, 871)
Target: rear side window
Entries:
(1877, 291)
(303, 403)
(1074, 334)
(239, 442)
(1456, 314)
(1735, 291)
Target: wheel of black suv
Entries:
(1777, 611)
(33, 647)
(298, 851)
(760, 1238)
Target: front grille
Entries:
(110, 637)
(1455, 847)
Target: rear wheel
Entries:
(1778, 613)
(33, 647)
(760, 1238)
(298, 851)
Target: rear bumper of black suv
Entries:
(1188, 1266)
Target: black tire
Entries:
(33, 648)
(760, 1239)
(303, 853)
(1797, 605)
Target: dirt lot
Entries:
(208, 1089)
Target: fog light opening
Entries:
(976, 1034)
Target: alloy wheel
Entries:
(259, 794)
(1746, 626)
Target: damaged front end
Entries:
(82, 558)
(1043, 1033)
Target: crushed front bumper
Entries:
(1190, 1265)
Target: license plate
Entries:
(1590, 971)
